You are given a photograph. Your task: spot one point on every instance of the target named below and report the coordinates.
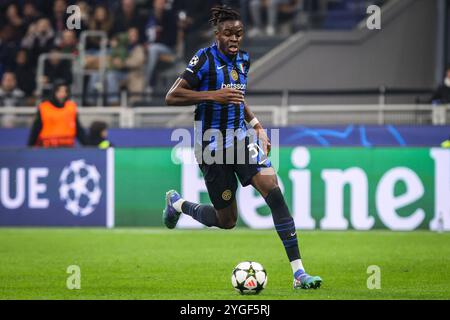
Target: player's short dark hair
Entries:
(223, 13)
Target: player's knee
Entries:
(272, 186)
(228, 223)
(266, 185)
(227, 217)
(269, 188)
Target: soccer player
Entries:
(215, 81)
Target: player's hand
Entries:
(228, 96)
(262, 136)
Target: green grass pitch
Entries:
(151, 263)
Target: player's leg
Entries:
(266, 183)
(176, 205)
(223, 218)
(257, 171)
(227, 217)
(221, 184)
(206, 214)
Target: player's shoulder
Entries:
(203, 52)
(199, 58)
(244, 55)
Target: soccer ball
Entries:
(249, 278)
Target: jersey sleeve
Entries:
(196, 69)
(247, 63)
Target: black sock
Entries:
(202, 213)
(284, 224)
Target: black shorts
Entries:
(220, 178)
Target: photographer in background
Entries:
(98, 135)
(442, 94)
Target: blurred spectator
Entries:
(39, 39)
(56, 124)
(85, 11)
(242, 5)
(39, 26)
(14, 19)
(134, 63)
(442, 94)
(25, 75)
(101, 21)
(114, 75)
(127, 16)
(125, 66)
(8, 48)
(59, 17)
(10, 95)
(56, 69)
(98, 135)
(162, 32)
(69, 42)
(30, 14)
(273, 7)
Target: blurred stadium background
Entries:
(319, 74)
(364, 129)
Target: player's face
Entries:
(229, 36)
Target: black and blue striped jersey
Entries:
(209, 70)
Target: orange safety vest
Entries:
(59, 128)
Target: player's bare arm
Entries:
(181, 94)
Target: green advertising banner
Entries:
(325, 188)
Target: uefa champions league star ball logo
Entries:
(79, 188)
(193, 61)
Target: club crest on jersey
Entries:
(226, 195)
(193, 61)
(234, 75)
